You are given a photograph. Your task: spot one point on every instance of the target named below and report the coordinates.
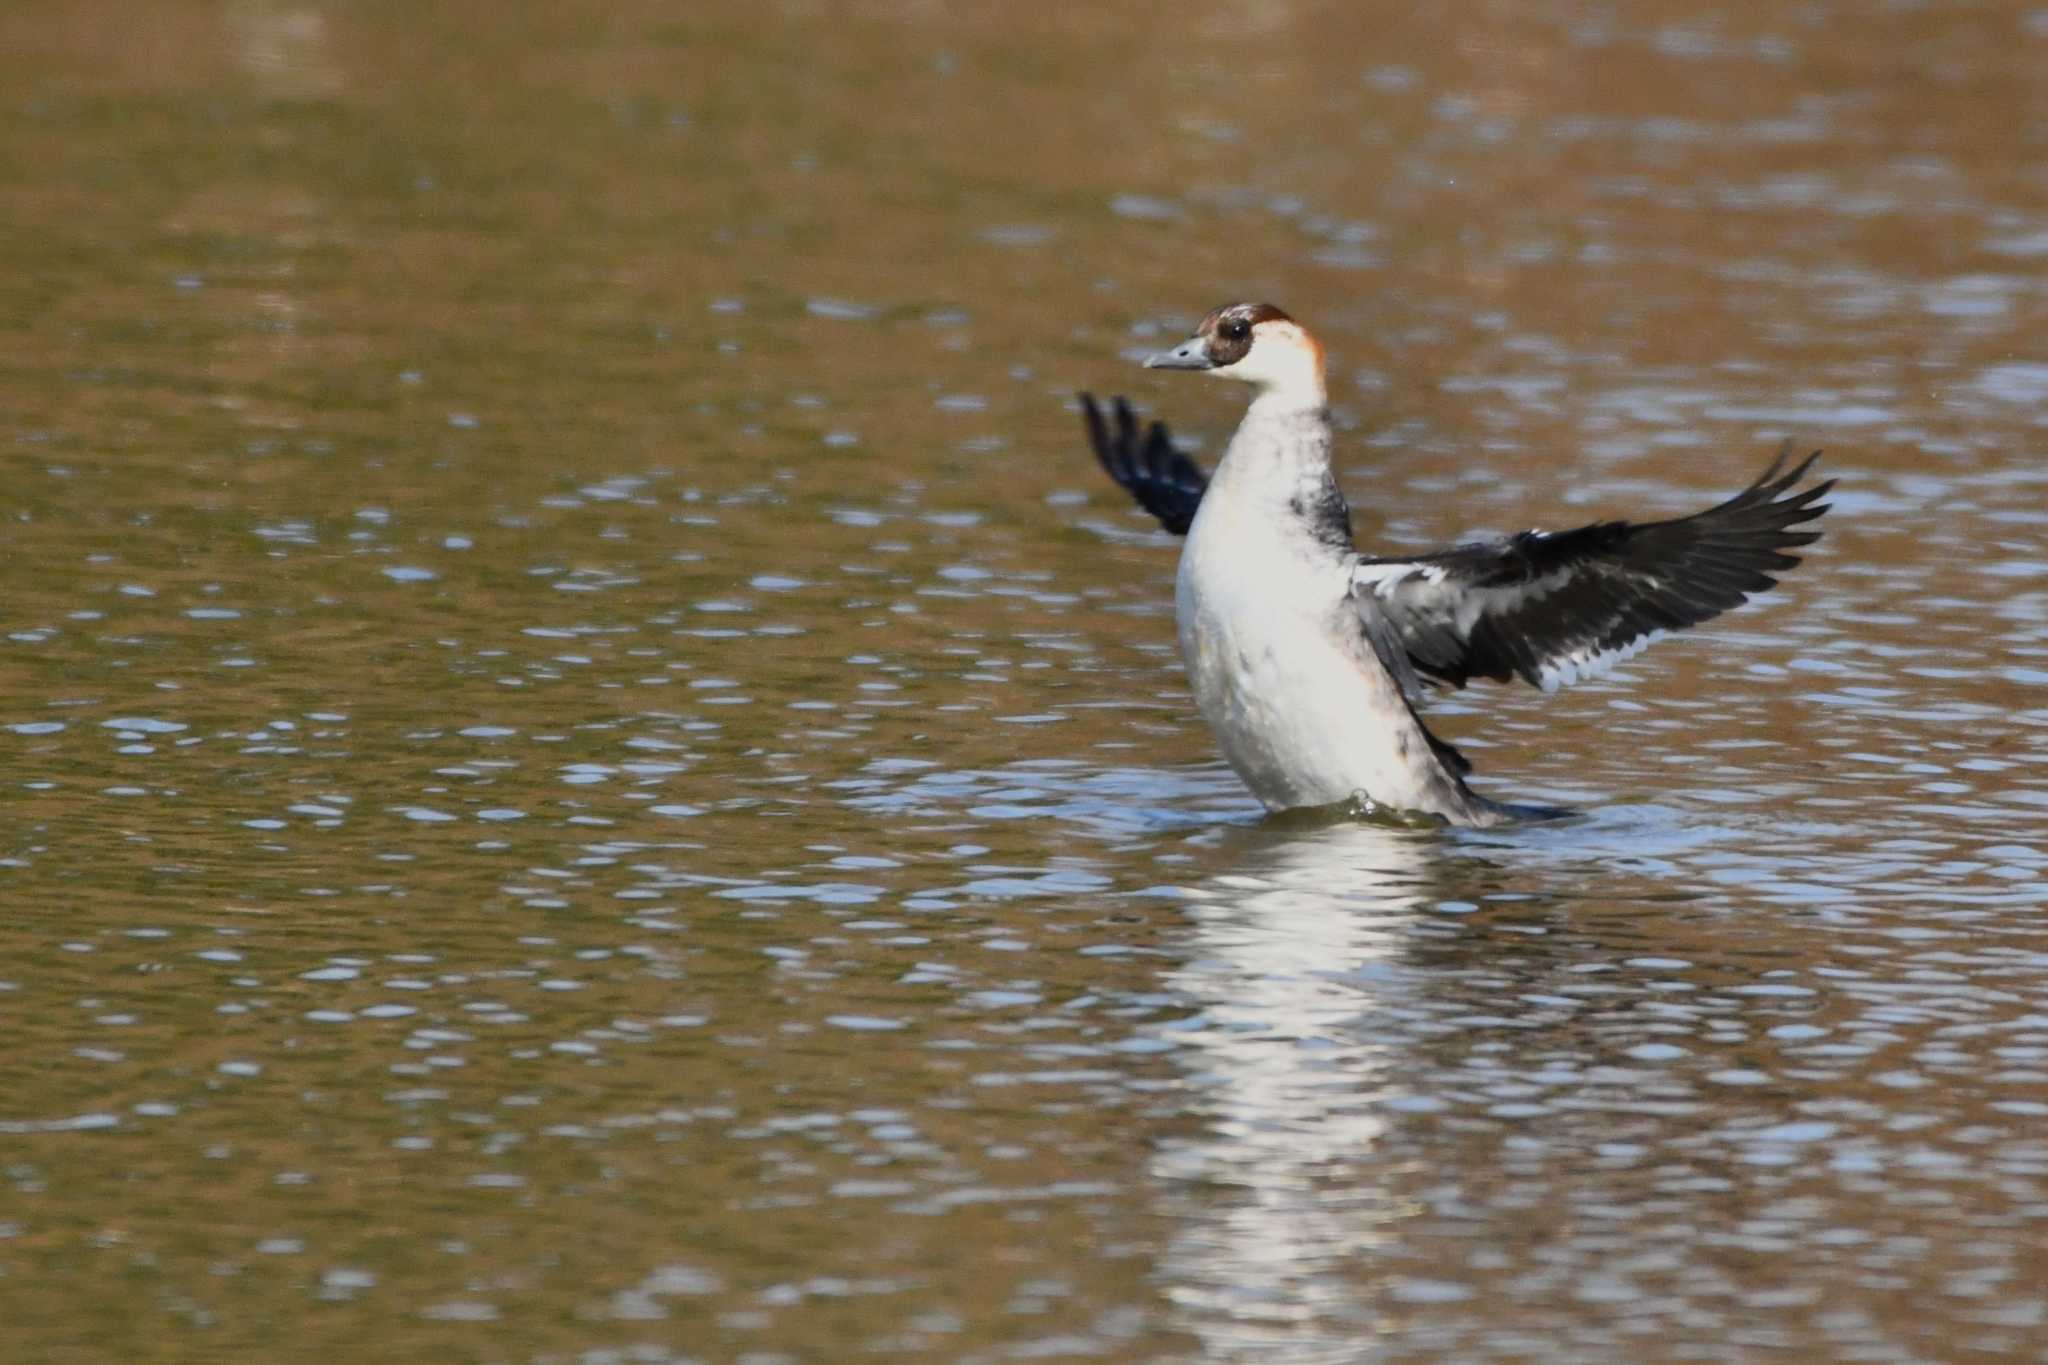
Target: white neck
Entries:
(1283, 401)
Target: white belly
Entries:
(1301, 707)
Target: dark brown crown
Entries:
(1229, 329)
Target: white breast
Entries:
(1301, 707)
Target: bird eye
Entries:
(1236, 329)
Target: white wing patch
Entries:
(1589, 661)
(1382, 578)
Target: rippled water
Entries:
(593, 774)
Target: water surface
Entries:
(592, 774)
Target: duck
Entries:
(1309, 659)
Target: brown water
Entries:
(593, 775)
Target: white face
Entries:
(1255, 344)
(1283, 359)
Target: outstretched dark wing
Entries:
(1553, 608)
(1165, 482)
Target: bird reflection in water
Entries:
(1294, 1062)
